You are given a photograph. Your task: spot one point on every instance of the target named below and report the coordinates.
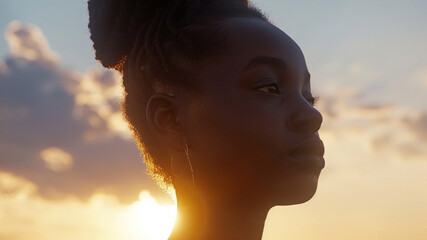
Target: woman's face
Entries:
(251, 126)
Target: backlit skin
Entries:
(251, 107)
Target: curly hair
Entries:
(157, 43)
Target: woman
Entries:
(220, 104)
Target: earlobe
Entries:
(163, 119)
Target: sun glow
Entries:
(146, 219)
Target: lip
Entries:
(309, 162)
(309, 154)
(312, 146)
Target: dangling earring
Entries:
(189, 165)
(173, 172)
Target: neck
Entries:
(213, 218)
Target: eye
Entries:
(269, 88)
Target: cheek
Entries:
(245, 137)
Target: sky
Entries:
(69, 168)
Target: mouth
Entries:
(309, 154)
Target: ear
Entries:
(162, 114)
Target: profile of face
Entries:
(250, 124)
(236, 133)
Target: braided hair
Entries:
(156, 43)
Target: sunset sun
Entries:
(146, 218)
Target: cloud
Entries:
(421, 77)
(14, 187)
(56, 159)
(62, 130)
(29, 43)
(389, 128)
(24, 215)
(98, 95)
(3, 67)
(45, 106)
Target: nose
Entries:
(305, 119)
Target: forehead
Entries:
(249, 38)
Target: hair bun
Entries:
(116, 25)
(113, 25)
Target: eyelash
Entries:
(276, 91)
(313, 100)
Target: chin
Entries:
(299, 192)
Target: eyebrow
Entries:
(261, 60)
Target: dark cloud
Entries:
(39, 109)
(418, 125)
(386, 127)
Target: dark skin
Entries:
(251, 131)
